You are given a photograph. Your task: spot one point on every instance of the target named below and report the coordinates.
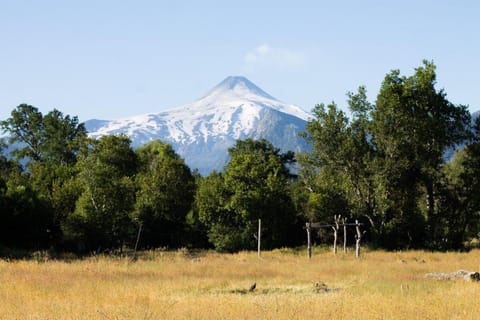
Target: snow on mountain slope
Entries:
(202, 131)
(235, 90)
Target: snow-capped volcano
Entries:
(234, 91)
(202, 131)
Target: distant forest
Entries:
(384, 164)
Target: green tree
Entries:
(25, 221)
(361, 165)
(387, 161)
(48, 145)
(53, 137)
(451, 217)
(255, 185)
(63, 136)
(224, 227)
(25, 126)
(460, 207)
(165, 194)
(5, 166)
(337, 174)
(413, 125)
(5, 169)
(102, 217)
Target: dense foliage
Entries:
(384, 163)
(388, 162)
(254, 185)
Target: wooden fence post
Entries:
(309, 241)
(134, 257)
(358, 238)
(259, 235)
(344, 235)
(335, 232)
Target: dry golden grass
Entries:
(178, 285)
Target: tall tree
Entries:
(5, 168)
(165, 194)
(49, 146)
(25, 221)
(413, 125)
(337, 174)
(324, 170)
(255, 185)
(102, 217)
(223, 226)
(461, 207)
(361, 161)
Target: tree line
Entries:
(386, 166)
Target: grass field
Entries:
(208, 285)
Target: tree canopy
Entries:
(389, 159)
(383, 162)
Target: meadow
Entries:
(207, 285)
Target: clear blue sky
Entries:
(111, 59)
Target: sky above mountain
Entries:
(114, 59)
